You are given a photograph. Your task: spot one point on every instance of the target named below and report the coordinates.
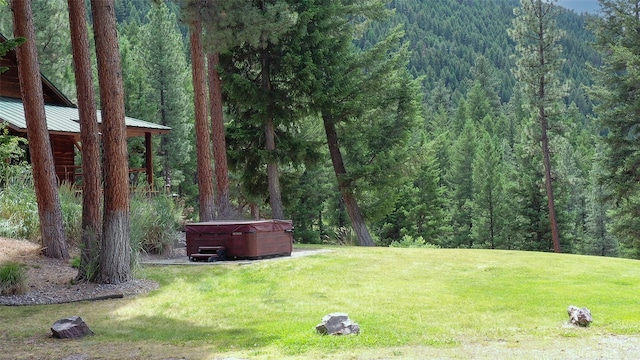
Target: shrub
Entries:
(71, 204)
(13, 279)
(75, 262)
(307, 236)
(18, 206)
(19, 209)
(410, 242)
(154, 223)
(154, 219)
(342, 236)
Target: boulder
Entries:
(70, 328)
(337, 324)
(579, 316)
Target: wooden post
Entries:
(148, 159)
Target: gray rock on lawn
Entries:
(579, 316)
(337, 324)
(70, 328)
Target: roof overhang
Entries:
(64, 120)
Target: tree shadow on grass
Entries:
(168, 330)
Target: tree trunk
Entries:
(219, 142)
(350, 202)
(44, 176)
(275, 197)
(555, 236)
(115, 264)
(203, 145)
(164, 144)
(90, 138)
(255, 211)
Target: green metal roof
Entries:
(62, 119)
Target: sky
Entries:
(580, 6)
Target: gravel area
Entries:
(50, 281)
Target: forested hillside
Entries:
(447, 37)
(465, 171)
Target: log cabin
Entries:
(63, 122)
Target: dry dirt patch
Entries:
(51, 281)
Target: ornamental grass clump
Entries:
(154, 223)
(13, 279)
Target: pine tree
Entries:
(137, 90)
(167, 70)
(91, 162)
(115, 264)
(460, 183)
(206, 200)
(537, 38)
(251, 32)
(601, 241)
(532, 226)
(488, 211)
(478, 103)
(618, 111)
(49, 210)
(423, 204)
(218, 137)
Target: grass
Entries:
(13, 278)
(408, 302)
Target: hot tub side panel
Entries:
(262, 244)
(252, 243)
(197, 239)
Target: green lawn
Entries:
(405, 300)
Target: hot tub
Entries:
(254, 239)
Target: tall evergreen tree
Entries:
(484, 73)
(137, 89)
(460, 181)
(165, 60)
(342, 84)
(537, 43)
(115, 265)
(53, 33)
(89, 135)
(421, 210)
(489, 200)
(49, 210)
(251, 32)
(618, 110)
(531, 220)
(218, 137)
(600, 240)
(203, 144)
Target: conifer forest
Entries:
(494, 124)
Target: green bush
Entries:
(19, 209)
(71, 204)
(410, 242)
(342, 236)
(308, 236)
(154, 223)
(155, 219)
(18, 206)
(13, 279)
